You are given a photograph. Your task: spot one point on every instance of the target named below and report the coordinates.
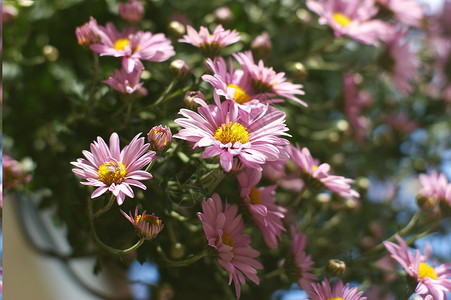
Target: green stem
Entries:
(180, 263)
(272, 274)
(298, 198)
(164, 97)
(94, 79)
(106, 208)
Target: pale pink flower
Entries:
(435, 188)
(405, 62)
(133, 46)
(261, 45)
(260, 201)
(210, 44)
(251, 137)
(266, 80)
(409, 12)
(131, 11)
(88, 33)
(320, 173)
(353, 106)
(302, 262)
(224, 232)
(352, 18)
(324, 291)
(9, 13)
(147, 226)
(110, 169)
(432, 280)
(14, 173)
(124, 82)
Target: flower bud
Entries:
(298, 71)
(261, 46)
(147, 226)
(179, 68)
(131, 11)
(9, 13)
(335, 267)
(177, 251)
(176, 29)
(191, 97)
(160, 138)
(50, 53)
(223, 15)
(87, 34)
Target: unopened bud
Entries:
(159, 138)
(335, 267)
(304, 16)
(9, 13)
(177, 251)
(191, 98)
(176, 29)
(179, 68)
(261, 46)
(87, 34)
(298, 71)
(50, 53)
(131, 11)
(223, 15)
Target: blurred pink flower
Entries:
(260, 201)
(88, 33)
(125, 82)
(210, 44)
(312, 170)
(147, 226)
(13, 173)
(352, 18)
(435, 188)
(133, 46)
(226, 130)
(432, 280)
(400, 122)
(224, 232)
(131, 11)
(324, 291)
(261, 45)
(266, 80)
(110, 169)
(405, 62)
(409, 12)
(303, 263)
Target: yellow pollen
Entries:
(314, 167)
(426, 270)
(240, 95)
(112, 172)
(255, 196)
(120, 44)
(147, 219)
(232, 133)
(162, 135)
(341, 19)
(227, 239)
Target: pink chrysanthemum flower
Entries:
(132, 11)
(324, 291)
(313, 173)
(353, 106)
(300, 269)
(124, 82)
(409, 12)
(110, 169)
(210, 44)
(224, 232)
(133, 46)
(266, 81)
(404, 62)
(88, 33)
(147, 226)
(435, 188)
(251, 137)
(260, 202)
(432, 280)
(352, 18)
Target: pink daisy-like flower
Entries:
(312, 172)
(210, 44)
(266, 81)
(352, 18)
(147, 226)
(409, 12)
(405, 62)
(251, 137)
(302, 263)
(132, 11)
(110, 169)
(124, 82)
(260, 202)
(224, 232)
(133, 46)
(435, 188)
(432, 280)
(324, 291)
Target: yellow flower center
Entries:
(112, 172)
(314, 167)
(335, 298)
(148, 219)
(232, 133)
(159, 134)
(255, 196)
(120, 44)
(227, 239)
(240, 95)
(341, 19)
(426, 270)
